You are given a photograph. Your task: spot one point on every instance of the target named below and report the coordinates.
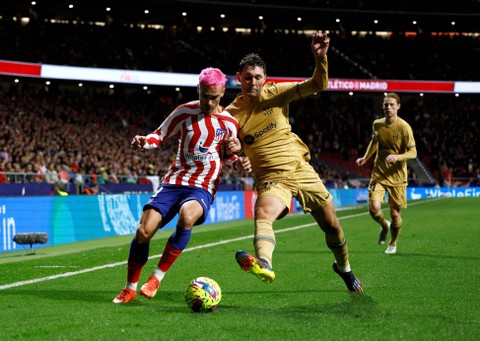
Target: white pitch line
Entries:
(204, 246)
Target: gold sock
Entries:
(395, 231)
(339, 247)
(264, 240)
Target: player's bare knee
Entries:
(396, 218)
(374, 211)
(263, 213)
(187, 220)
(142, 236)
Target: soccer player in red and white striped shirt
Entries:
(201, 127)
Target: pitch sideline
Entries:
(204, 246)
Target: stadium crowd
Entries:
(79, 135)
(59, 133)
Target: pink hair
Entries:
(212, 77)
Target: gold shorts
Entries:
(304, 184)
(397, 195)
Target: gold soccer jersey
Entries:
(396, 139)
(265, 129)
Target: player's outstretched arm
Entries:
(320, 44)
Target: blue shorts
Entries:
(169, 198)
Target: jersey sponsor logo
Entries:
(249, 139)
(200, 157)
(269, 127)
(202, 149)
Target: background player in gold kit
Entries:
(394, 143)
(279, 161)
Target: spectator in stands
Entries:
(394, 144)
(78, 177)
(3, 151)
(29, 173)
(448, 176)
(63, 173)
(51, 174)
(412, 178)
(59, 189)
(3, 176)
(91, 190)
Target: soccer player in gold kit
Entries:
(280, 161)
(393, 141)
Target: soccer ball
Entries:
(203, 294)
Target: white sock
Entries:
(131, 286)
(159, 274)
(345, 268)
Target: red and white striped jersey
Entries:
(200, 150)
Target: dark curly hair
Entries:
(252, 59)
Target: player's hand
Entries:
(361, 161)
(138, 142)
(244, 162)
(233, 145)
(391, 158)
(320, 44)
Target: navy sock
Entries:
(139, 252)
(180, 238)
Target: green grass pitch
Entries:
(429, 290)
